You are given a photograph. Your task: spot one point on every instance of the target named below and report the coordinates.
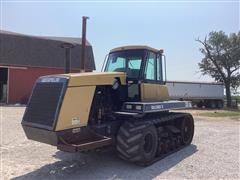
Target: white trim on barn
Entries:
(8, 83)
(13, 67)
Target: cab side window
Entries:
(150, 67)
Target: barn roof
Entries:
(41, 51)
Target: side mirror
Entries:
(165, 68)
(164, 65)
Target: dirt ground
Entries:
(213, 154)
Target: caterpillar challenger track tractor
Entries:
(126, 106)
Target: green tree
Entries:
(222, 59)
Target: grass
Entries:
(236, 97)
(235, 114)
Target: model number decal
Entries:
(154, 107)
(75, 121)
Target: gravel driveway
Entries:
(214, 154)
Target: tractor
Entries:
(126, 106)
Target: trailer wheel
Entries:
(187, 129)
(200, 104)
(220, 104)
(137, 143)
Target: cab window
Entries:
(116, 64)
(150, 67)
(134, 65)
(126, 61)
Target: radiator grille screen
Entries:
(43, 104)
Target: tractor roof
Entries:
(134, 47)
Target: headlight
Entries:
(128, 106)
(138, 107)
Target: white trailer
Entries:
(210, 95)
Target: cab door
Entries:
(153, 88)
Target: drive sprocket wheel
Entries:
(187, 129)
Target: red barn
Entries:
(24, 58)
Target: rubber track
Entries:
(158, 158)
(156, 121)
(128, 138)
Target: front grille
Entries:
(44, 103)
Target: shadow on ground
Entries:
(104, 165)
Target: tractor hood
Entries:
(62, 102)
(92, 78)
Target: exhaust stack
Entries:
(83, 50)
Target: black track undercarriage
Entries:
(144, 141)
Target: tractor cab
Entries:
(143, 66)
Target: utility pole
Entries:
(83, 45)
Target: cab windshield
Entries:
(126, 61)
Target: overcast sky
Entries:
(172, 26)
